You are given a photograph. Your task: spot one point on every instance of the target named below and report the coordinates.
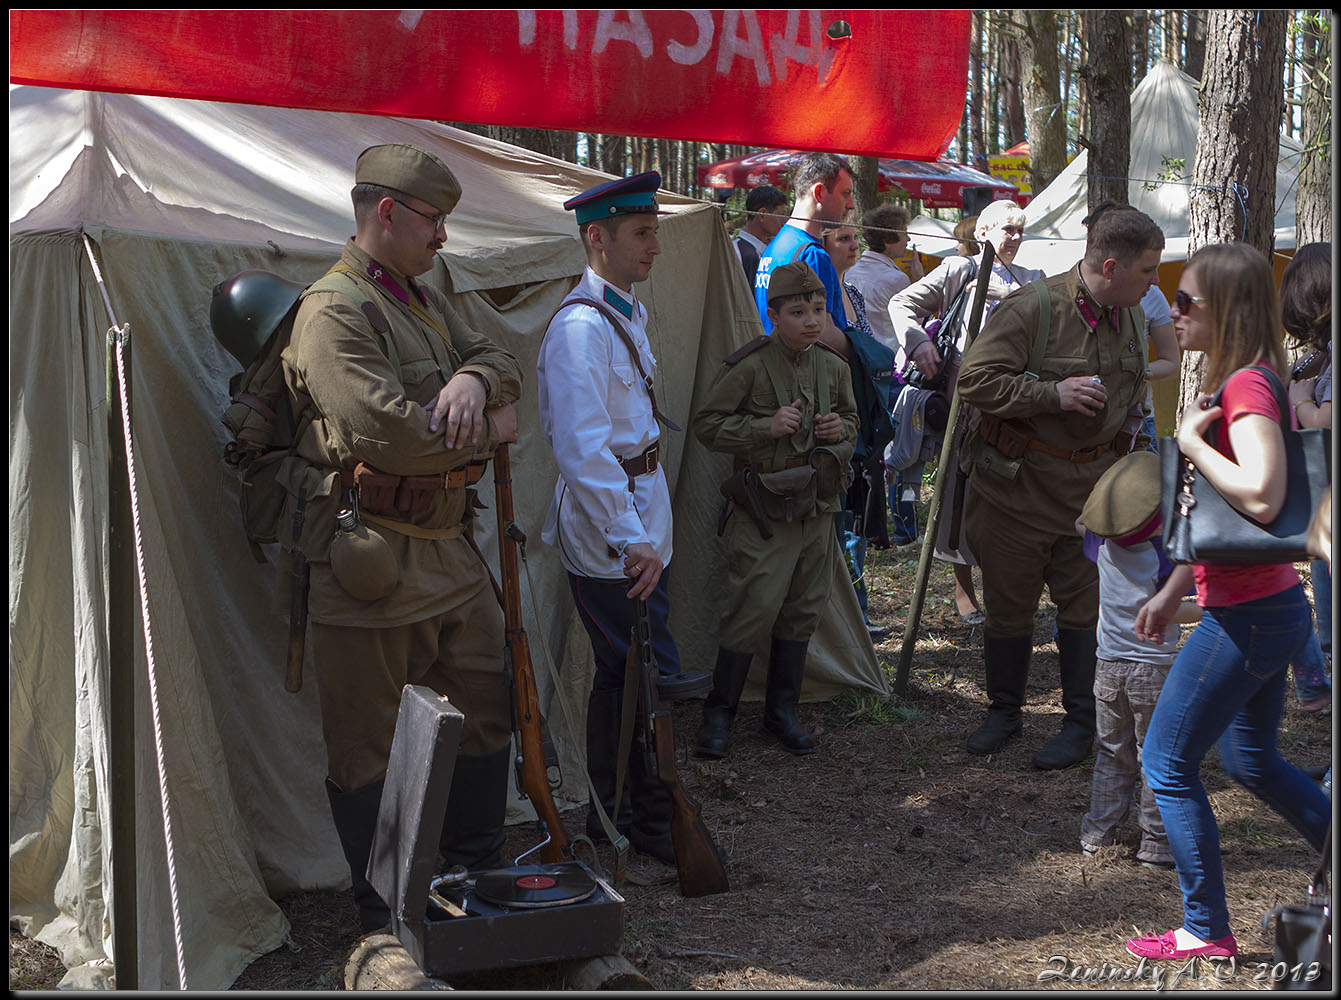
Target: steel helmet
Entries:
(246, 309)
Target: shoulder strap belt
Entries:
(627, 338)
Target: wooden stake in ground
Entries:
(942, 475)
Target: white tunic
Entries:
(595, 410)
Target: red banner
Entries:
(870, 82)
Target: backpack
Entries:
(252, 316)
(872, 370)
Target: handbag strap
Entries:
(1319, 884)
(1277, 387)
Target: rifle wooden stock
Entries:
(696, 859)
(533, 775)
(697, 862)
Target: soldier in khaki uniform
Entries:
(783, 406)
(407, 405)
(1054, 415)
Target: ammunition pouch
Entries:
(790, 494)
(405, 496)
(1010, 437)
(832, 474)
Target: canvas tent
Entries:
(1164, 124)
(173, 196)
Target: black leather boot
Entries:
(1076, 650)
(472, 829)
(786, 667)
(1006, 665)
(355, 815)
(719, 709)
(651, 806)
(603, 721)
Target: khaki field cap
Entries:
(409, 169)
(795, 278)
(1125, 498)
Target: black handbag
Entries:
(1302, 954)
(1200, 526)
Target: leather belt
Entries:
(455, 479)
(641, 465)
(1080, 455)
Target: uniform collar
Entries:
(624, 303)
(1089, 307)
(383, 278)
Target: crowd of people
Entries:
(1052, 488)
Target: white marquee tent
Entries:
(1164, 122)
(173, 196)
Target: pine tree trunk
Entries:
(1105, 86)
(977, 152)
(1045, 119)
(1194, 43)
(1313, 200)
(1008, 83)
(865, 183)
(1238, 141)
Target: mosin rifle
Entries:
(532, 763)
(696, 859)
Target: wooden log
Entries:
(604, 972)
(380, 962)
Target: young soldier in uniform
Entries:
(1056, 412)
(784, 408)
(408, 403)
(611, 516)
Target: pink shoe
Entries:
(1165, 948)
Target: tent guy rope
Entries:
(118, 335)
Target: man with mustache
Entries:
(407, 404)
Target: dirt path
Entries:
(892, 859)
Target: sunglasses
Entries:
(1184, 301)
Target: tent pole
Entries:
(121, 592)
(938, 492)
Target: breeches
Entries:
(1018, 559)
(777, 586)
(361, 671)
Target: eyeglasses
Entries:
(1183, 301)
(438, 220)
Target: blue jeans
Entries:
(1310, 673)
(1227, 687)
(1322, 602)
(903, 513)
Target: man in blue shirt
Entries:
(823, 188)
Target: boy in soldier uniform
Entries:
(783, 407)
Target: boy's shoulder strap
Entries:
(744, 352)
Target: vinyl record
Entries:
(531, 886)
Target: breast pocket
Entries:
(1133, 372)
(422, 380)
(628, 396)
(1056, 369)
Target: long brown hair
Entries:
(1240, 292)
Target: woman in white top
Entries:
(1001, 224)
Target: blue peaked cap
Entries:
(617, 197)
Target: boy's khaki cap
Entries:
(1125, 497)
(795, 278)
